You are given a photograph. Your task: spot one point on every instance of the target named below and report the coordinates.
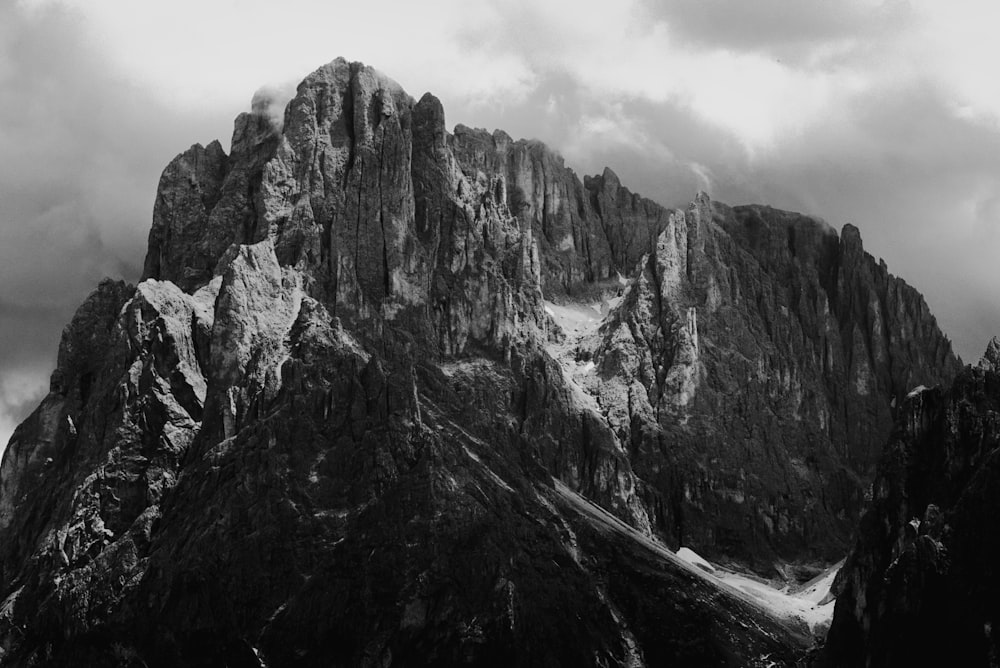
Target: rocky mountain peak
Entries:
(850, 239)
(748, 327)
(850, 234)
(991, 358)
(610, 181)
(388, 393)
(398, 249)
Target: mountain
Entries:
(920, 587)
(392, 395)
(753, 370)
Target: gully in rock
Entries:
(392, 395)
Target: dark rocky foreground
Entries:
(921, 586)
(335, 423)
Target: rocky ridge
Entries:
(328, 426)
(752, 372)
(920, 587)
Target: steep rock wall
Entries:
(920, 587)
(754, 367)
(325, 428)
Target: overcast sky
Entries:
(882, 114)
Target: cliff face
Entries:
(324, 429)
(753, 369)
(920, 586)
(586, 232)
(334, 422)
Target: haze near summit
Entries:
(882, 114)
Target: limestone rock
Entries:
(920, 586)
(35, 445)
(587, 233)
(769, 355)
(84, 477)
(181, 247)
(991, 358)
(327, 428)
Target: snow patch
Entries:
(817, 590)
(812, 608)
(915, 391)
(577, 320)
(693, 558)
(812, 604)
(603, 520)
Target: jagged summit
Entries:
(345, 419)
(991, 358)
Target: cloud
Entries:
(954, 46)
(20, 393)
(921, 184)
(784, 29)
(634, 53)
(28, 339)
(195, 54)
(270, 101)
(82, 151)
(704, 175)
(880, 113)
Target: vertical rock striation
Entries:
(325, 427)
(920, 587)
(753, 368)
(586, 232)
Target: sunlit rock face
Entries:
(334, 423)
(752, 371)
(991, 358)
(920, 587)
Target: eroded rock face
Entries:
(753, 369)
(84, 477)
(920, 587)
(587, 233)
(325, 427)
(991, 358)
(182, 248)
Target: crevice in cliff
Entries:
(349, 120)
(595, 203)
(327, 222)
(662, 359)
(544, 223)
(386, 281)
(359, 166)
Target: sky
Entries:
(881, 114)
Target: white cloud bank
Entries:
(881, 113)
